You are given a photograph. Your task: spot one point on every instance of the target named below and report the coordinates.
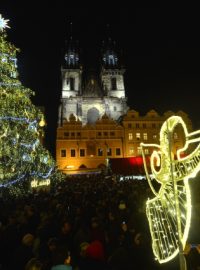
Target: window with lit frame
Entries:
(138, 135)
(130, 136)
(145, 137)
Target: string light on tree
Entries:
(169, 212)
(21, 154)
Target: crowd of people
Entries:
(84, 222)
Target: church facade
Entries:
(98, 95)
(95, 123)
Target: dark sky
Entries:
(160, 48)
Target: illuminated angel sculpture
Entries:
(169, 212)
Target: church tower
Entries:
(112, 74)
(71, 83)
(112, 77)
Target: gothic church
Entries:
(89, 101)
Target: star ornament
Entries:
(3, 23)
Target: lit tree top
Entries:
(3, 23)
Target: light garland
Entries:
(169, 213)
(22, 156)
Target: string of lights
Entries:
(22, 154)
(169, 212)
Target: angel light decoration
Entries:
(169, 212)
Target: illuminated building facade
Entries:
(89, 131)
(146, 129)
(81, 147)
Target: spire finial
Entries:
(70, 30)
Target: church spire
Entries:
(109, 51)
(72, 58)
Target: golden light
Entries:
(169, 212)
(42, 122)
(70, 166)
(36, 183)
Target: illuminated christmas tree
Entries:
(22, 155)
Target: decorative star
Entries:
(3, 23)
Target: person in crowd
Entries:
(33, 264)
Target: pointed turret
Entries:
(112, 74)
(109, 55)
(72, 54)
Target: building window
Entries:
(146, 151)
(66, 134)
(131, 151)
(73, 152)
(71, 83)
(63, 153)
(72, 134)
(109, 152)
(145, 136)
(112, 133)
(138, 136)
(114, 108)
(139, 150)
(105, 133)
(99, 133)
(144, 125)
(82, 152)
(100, 152)
(129, 125)
(113, 84)
(153, 125)
(118, 151)
(130, 136)
(78, 134)
(137, 125)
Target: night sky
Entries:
(160, 49)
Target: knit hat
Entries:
(95, 251)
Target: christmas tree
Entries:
(22, 155)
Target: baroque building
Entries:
(95, 123)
